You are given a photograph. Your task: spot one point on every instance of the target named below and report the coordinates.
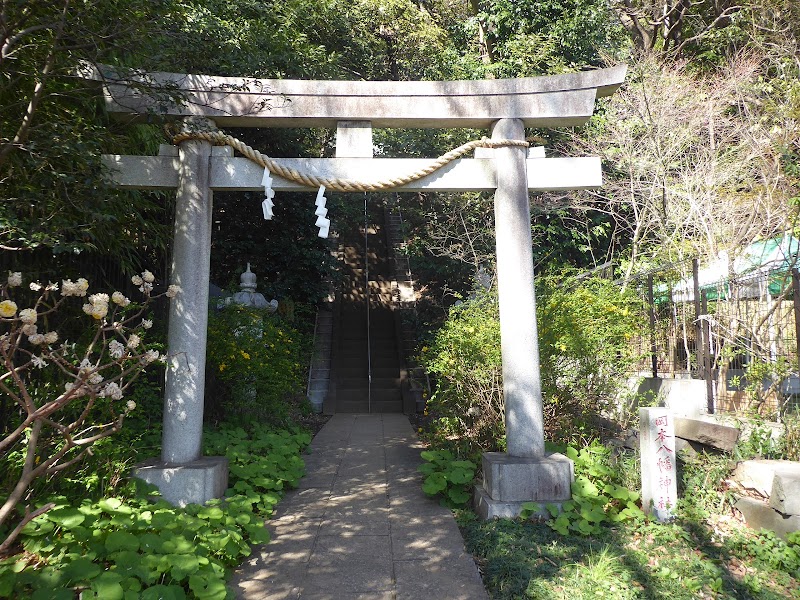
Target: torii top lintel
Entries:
(548, 101)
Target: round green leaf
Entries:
(211, 513)
(107, 586)
(67, 517)
(121, 540)
(434, 483)
(182, 565)
(459, 476)
(164, 592)
(82, 569)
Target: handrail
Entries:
(367, 294)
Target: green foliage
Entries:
(768, 548)
(52, 135)
(758, 441)
(464, 357)
(135, 547)
(447, 476)
(535, 38)
(584, 333)
(255, 365)
(597, 497)
(699, 492)
(698, 554)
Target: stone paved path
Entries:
(359, 525)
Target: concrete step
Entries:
(362, 407)
(361, 372)
(378, 383)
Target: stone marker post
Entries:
(525, 473)
(657, 444)
(182, 475)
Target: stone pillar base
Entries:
(196, 482)
(510, 481)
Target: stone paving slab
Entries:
(359, 526)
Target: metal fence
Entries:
(739, 334)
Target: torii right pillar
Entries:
(525, 473)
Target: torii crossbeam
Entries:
(195, 170)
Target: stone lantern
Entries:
(248, 296)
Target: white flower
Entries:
(136, 280)
(38, 362)
(147, 323)
(28, 329)
(119, 299)
(28, 316)
(8, 308)
(112, 390)
(133, 341)
(97, 307)
(68, 288)
(51, 337)
(116, 349)
(14, 279)
(173, 290)
(95, 378)
(35, 286)
(36, 339)
(150, 356)
(148, 277)
(146, 287)
(52, 287)
(130, 405)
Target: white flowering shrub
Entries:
(68, 395)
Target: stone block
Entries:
(196, 482)
(519, 479)
(785, 493)
(758, 474)
(759, 515)
(710, 434)
(488, 508)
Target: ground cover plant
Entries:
(588, 550)
(131, 546)
(685, 559)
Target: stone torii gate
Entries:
(196, 169)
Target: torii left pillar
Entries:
(183, 475)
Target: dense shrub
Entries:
(585, 329)
(584, 333)
(256, 366)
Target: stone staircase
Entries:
(367, 365)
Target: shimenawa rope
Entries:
(336, 184)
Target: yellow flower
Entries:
(8, 308)
(245, 354)
(222, 367)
